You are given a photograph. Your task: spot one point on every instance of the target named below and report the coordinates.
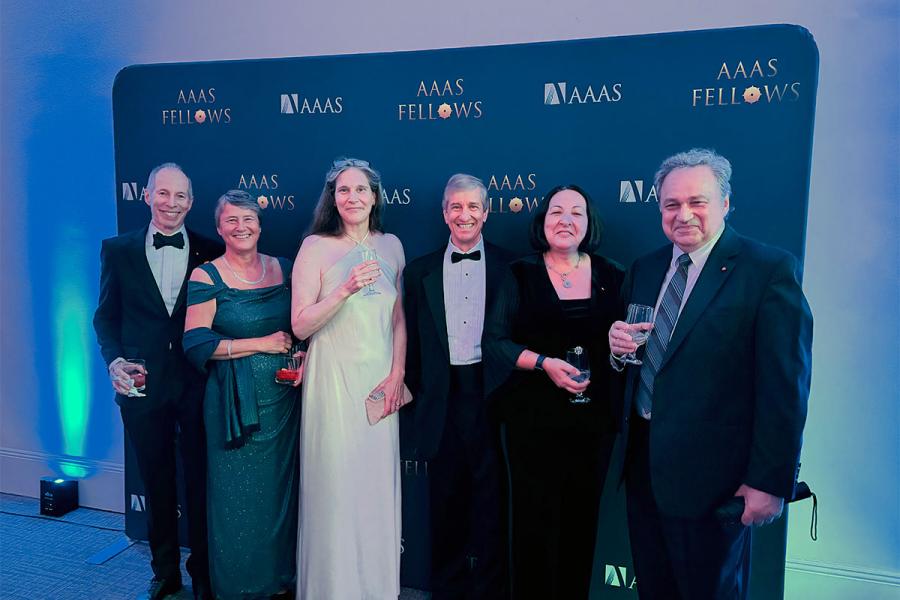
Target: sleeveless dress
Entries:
(251, 489)
(350, 471)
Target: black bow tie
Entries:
(455, 257)
(160, 240)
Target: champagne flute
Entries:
(369, 254)
(578, 358)
(637, 313)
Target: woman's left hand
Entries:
(302, 356)
(392, 385)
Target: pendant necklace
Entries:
(564, 276)
(241, 279)
(358, 242)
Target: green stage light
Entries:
(72, 351)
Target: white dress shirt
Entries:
(464, 298)
(169, 266)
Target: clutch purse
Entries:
(375, 404)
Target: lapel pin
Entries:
(724, 269)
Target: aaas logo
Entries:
(440, 100)
(137, 503)
(196, 107)
(562, 93)
(265, 188)
(295, 104)
(510, 193)
(130, 191)
(633, 191)
(617, 576)
(747, 83)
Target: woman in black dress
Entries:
(563, 297)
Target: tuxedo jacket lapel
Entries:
(194, 261)
(140, 270)
(433, 282)
(493, 268)
(717, 270)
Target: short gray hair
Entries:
(463, 183)
(238, 199)
(151, 179)
(697, 157)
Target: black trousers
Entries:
(155, 429)
(691, 559)
(557, 479)
(467, 483)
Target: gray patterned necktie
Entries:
(663, 326)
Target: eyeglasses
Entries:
(349, 162)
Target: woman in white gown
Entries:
(349, 306)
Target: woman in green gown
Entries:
(237, 329)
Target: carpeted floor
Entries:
(47, 558)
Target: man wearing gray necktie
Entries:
(718, 406)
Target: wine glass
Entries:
(136, 369)
(578, 358)
(370, 254)
(637, 313)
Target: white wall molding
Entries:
(855, 573)
(21, 471)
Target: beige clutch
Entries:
(375, 404)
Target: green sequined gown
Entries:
(251, 490)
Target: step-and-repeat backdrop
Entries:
(601, 113)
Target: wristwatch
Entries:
(539, 363)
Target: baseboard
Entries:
(21, 471)
(861, 574)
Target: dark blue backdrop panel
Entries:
(601, 113)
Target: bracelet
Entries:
(539, 363)
(228, 346)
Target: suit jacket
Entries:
(131, 319)
(730, 397)
(427, 346)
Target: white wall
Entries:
(57, 56)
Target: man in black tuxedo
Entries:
(140, 314)
(446, 294)
(718, 407)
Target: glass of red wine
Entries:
(289, 372)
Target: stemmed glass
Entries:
(637, 313)
(136, 369)
(369, 254)
(578, 358)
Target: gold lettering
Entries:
(723, 70)
(757, 69)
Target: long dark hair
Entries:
(326, 220)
